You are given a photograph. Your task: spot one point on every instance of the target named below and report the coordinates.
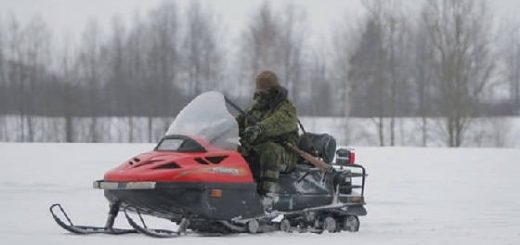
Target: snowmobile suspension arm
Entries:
(112, 214)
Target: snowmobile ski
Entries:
(156, 233)
(81, 229)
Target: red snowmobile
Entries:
(196, 178)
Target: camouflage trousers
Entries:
(266, 161)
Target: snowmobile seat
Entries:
(304, 167)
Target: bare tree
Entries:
(397, 35)
(318, 86)
(203, 53)
(460, 34)
(346, 39)
(90, 71)
(510, 54)
(137, 81)
(259, 42)
(38, 59)
(275, 41)
(69, 78)
(3, 79)
(4, 85)
(163, 60)
(291, 46)
(28, 54)
(118, 73)
(377, 65)
(367, 76)
(137, 71)
(15, 74)
(423, 78)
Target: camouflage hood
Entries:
(279, 95)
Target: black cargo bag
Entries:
(320, 145)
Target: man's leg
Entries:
(254, 166)
(271, 158)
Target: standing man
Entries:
(263, 141)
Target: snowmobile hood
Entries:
(216, 166)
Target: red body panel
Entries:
(156, 166)
(233, 169)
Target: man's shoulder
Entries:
(287, 104)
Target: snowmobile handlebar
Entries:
(242, 112)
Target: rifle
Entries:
(310, 158)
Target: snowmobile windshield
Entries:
(207, 117)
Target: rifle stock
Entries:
(313, 160)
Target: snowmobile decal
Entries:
(230, 171)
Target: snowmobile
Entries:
(196, 178)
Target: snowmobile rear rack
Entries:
(363, 175)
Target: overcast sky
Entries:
(68, 17)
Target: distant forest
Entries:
(449, 59)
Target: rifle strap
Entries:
(308, 141)
(301, 126)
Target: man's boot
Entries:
(269, 191)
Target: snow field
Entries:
(414, 196)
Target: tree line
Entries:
(446, 59)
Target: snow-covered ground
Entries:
(414, 195)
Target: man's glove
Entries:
(251, 133)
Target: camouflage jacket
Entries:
(277, 125)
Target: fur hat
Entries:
(266, 80)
